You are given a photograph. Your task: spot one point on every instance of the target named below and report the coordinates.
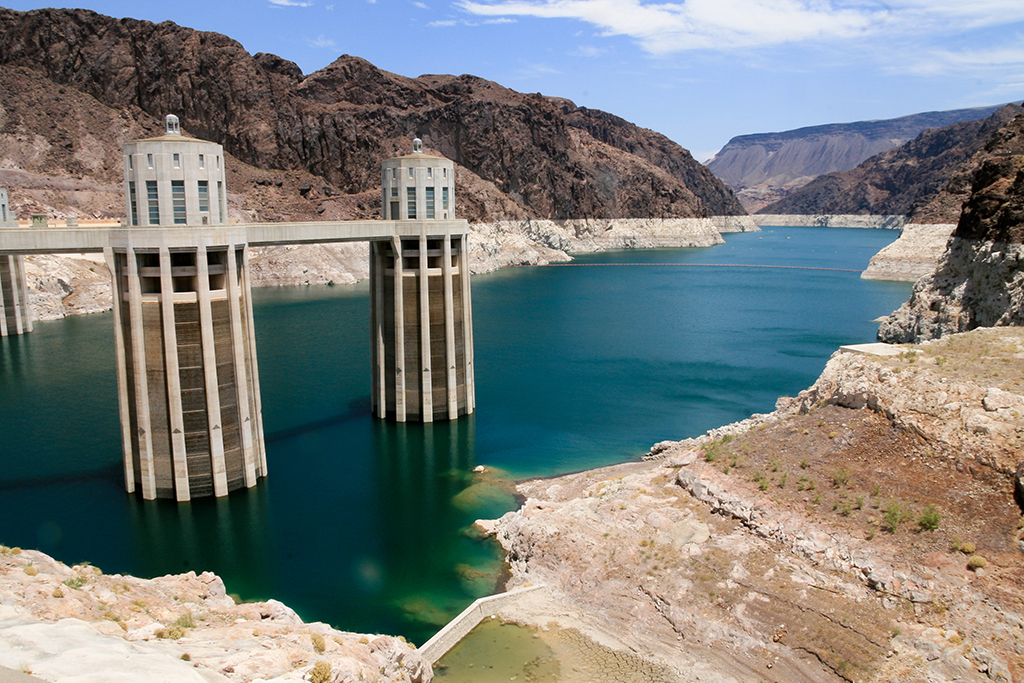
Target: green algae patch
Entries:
(497, 651)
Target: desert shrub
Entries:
(318, 642)
(967, 548)
(76, 582)
(321, 672)
(930, 519)
(171, 633)
(185, 621)
(976, 562)
(841, 478)
(31, 570)
(895, 515)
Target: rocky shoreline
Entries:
(76, 623)
(914, 254)
(829, 540)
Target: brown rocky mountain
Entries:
(979, 281)
(924, 178)
(319, 139)
(766, 167)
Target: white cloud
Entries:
(290, 3)
(940, 61)
(587, 51)
(420, 5)
(444, 22)
(499, 20)
(667, 27)
(321, 41)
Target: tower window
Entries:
(149, 160)
(204, 196)
(430, 173)
(178, 201)
(153, 201)
(410, 195)
(394, 173)
(131, 164)
(410, 173)
(444, 197)
(430, 202)
(220, 197)
(177, 160)
(202, 161)
(394, 191)
(134, 202)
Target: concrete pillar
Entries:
(186, 367)
(420, 332)
(15, 313)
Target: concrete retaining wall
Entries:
(457, 628)
(820, 220)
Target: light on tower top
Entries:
(171, 125)
(417, 146)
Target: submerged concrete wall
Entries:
(457, 628)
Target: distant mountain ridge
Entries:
(518, 155)
(927, 179)
(764, 167)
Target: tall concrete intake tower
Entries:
(188, 384)
(421, 315)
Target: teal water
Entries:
(360, 522)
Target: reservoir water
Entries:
(362, 523)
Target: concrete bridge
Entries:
(188, 381)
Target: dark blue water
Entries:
(360, 522)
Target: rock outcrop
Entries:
(766, 167)
(979, 281)
(75, 623)
(785, 543)
(545, 157)
(914, 254)
(924, 179)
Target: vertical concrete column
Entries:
(467, 322)
(238, 340)
(399, 322)
(220, 478)
(426, 383)
(174, 408)
(377, 314)
(122, 364)
(147, 471)
(254, 372)
(3, 298)
(449, 328)
(15, 312)
(26, 307)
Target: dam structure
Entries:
(187, 371)
(15, 314)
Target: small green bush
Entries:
(841, 478)
(321, 672)
(930, 518)
(967, 548)
(976, 562)
(895, 515)
(76, 582)
(185, 621)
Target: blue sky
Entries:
(698, 71)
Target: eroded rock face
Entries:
(976, 284)
(979, 281)
(914, 254)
